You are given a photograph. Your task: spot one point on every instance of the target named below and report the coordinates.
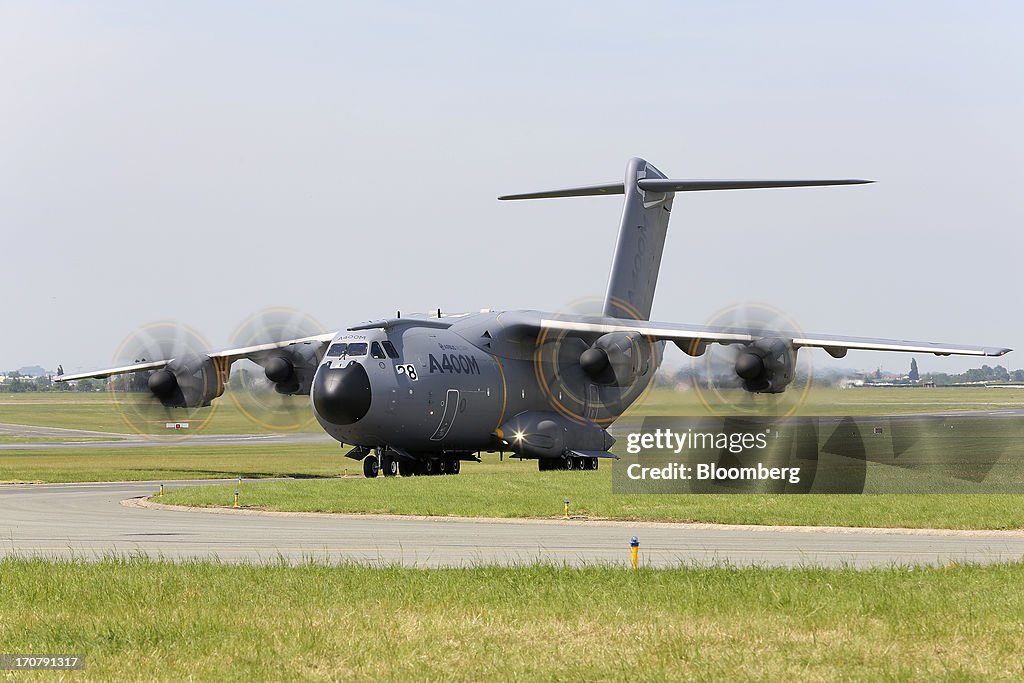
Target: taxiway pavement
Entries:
(91, 520)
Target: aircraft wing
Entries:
(103, 374)
(230, 355)
(692, 338)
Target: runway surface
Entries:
(56, 438)
(89, 521)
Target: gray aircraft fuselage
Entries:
(452, 390)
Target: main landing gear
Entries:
(387, 464)
(567, 462)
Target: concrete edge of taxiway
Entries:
(146, 502)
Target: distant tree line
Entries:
(983, 374)
(833, 377)
(16, 383)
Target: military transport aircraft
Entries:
(418, 395)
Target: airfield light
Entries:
(634, 551)
(566, 508)
(236, 497)
(518, 436)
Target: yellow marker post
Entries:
(634, 551)
(236, 497)
(161, 489)
(566, 508)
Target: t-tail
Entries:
(645, 214)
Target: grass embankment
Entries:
(198, 621)
(506, 490)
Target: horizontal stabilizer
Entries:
(588, 191)
(671, 185)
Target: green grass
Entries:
(511, 489)
(175, 462)
(832, 402)
(145, 620)
(97, 411)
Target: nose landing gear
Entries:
(371, 466)
(380, 462)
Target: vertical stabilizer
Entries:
(641, 241)
(644, 226)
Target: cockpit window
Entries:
(390, 348)
(376, 351)
(337, 350)
(357, 349)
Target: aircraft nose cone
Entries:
(342, 395)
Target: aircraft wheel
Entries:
(429, 467)
(388, 465)
(442, 465)
(406, 468)
(371, 466)
(456, 466)
(593, 463)
(570, 462)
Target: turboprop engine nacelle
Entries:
(191, 381)
(767, 365)
(616, 358)
(291, 368)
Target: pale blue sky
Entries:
(201, 161)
